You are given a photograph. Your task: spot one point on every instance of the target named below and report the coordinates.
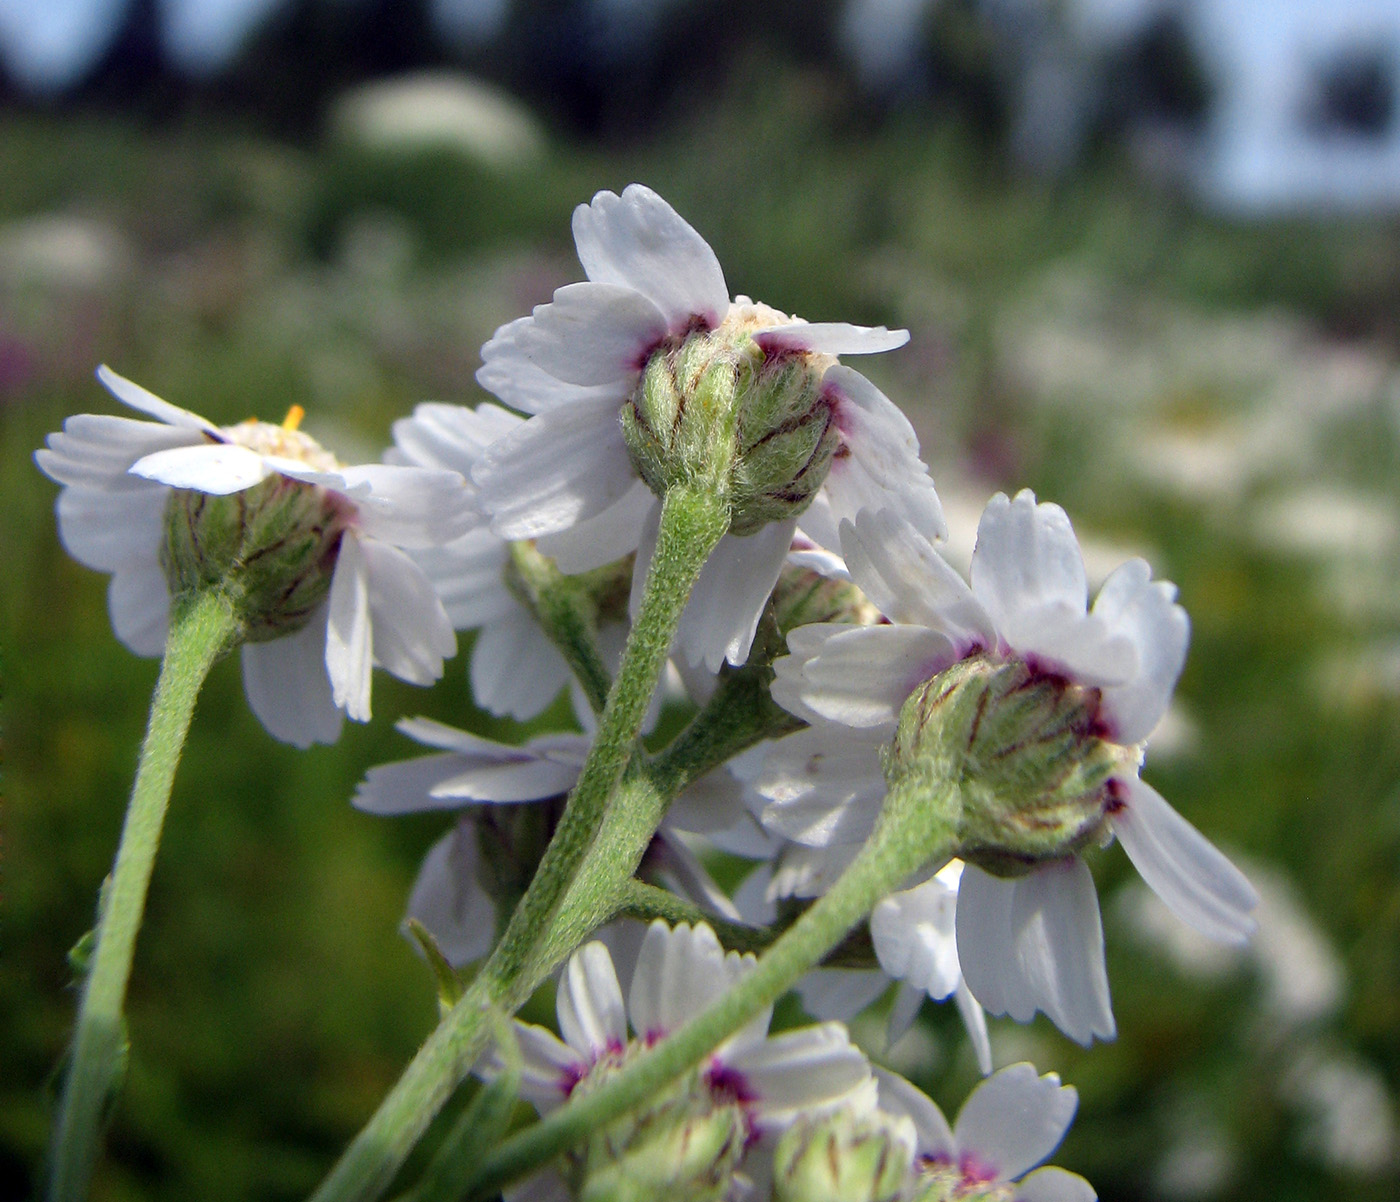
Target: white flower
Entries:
(1010, 1123)
(118, 474)
(448, 897)
(680, 973)
(566, 477)
(1036, 941)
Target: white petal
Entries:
(804, 872)
(985, 950)
(406, 787)
(591, 1017)
(800, 1071)
(411, 634)
(469, 576)
(681, 871)
(515, 669)
(899, 1097)
(412, 506)
(112, 531)
(709, 805)
(1058, 946)
(1014, 1119)
(1145, 613)
(287, 686)
(1052, 1184)
(1195, 880)
(823, 785)
(1060, 638)
(882, 468)
(219, 468)
(722, 614)
(680, 971)
(914, 937)
(862, 676)
(97, 450)
(604, 538)
(592, 334)
(550, 1067)
(1026, 559)
(638, 241)
(910, 582)
(908, 1001)
(508, 372)
(559, 468)
(450, 437)
(447, 898)
(840, 993)
(975, 1020)
(531, 775)
(349, 654)
(137, 397)
(829, 338)
(138, 602)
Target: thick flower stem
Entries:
(917, 827)
(202, 627)
(692, 523)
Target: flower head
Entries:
(1092, 684)
(647, 374)
(308, 549)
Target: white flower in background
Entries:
(1010, 1123)
(567, 477)
(1033, 941)
(449, 896)
(365, 602)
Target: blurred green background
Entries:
(1220, 396)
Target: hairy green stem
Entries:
(646, 902)
(915, 829)
(202, 627)
(692, 523)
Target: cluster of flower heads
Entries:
(613, 388)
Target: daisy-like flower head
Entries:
(1038, 707)
(1010, 1123)
(308, 550)
(647, 374)
(761, 1082)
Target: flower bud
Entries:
(272, 546)
(843, 1158)
(715, 410)
(1026, 750)
(803, 597)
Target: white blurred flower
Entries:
(566, 477)
(118, 475)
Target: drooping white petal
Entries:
(109, 530)
(840, 993)
(881, 468)
(804, 872)
(450, 437)
(720, 618)
(829, 338)
(914, 937)
(559, 468)
(406, 787)
(638, 241)
(1027, 559)
(899, 1097)
(447, 898)
(907, 1004)
(864, 675)
(513, 774)
(412, 506)
(550, 1068)
(1052, 1184)
(468, 574)
(604, 538)
(824, 786)
(908, 581)
(986, 952)
(138, 602)
(593, 334)
(515, 669)
(1058, 946)
(1144, 612)
(975, 1020)
(591, 1016)
(219, 468)
(137, 397)
(1193, 877)
(509, 372)
(96, 450)
(681, 871)
(288, 688)
(411, 634)
(349, 653)
(801, 1071)
(1014, 1119)
(709, 805)
(680, 971)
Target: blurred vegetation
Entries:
(1085, 339)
